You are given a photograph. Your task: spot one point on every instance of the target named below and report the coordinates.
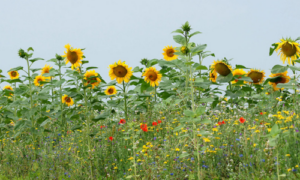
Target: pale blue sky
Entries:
(134, 29)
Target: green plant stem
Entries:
(125, 101)
(155, 93)
(61, 103)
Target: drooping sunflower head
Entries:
(239, 73)
(213, 76)
(111, 90)
(13, 74)
(153, 76)
(257, 76)
(169, 53)
(8, 87)
(67, 100)
(46, 69)
(221, 67)
(289, 50)
(38, 79)
(92, 78)
(279, 78)
(120, 71)
(74, 56)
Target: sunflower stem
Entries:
(125, 100)
(61, 103)
(155, 93)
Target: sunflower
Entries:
(13, 74)
(289, 50)
(169, 53)
(256, 76)
(94, 81)
(238, 72)
(153, 76)
(279, 78)
(213, 76)
(46, 69)
(8, 87)
(221, 67)
(67, 100)
(120, 72)
(37, 80)
(111, 90)
(74, 56)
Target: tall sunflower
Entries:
(289, 50)
(257, 76)
(279, 78)
(74, 56)
(238, 72)
(221, 67)
(120, 71)
(213, 76)
(67, 100)
(13, 74)
(46, 69)
(152, 75)
(111, 90)
(94, 81)
(169, 53)
(37, 80)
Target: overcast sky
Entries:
(134, 29)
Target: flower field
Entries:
(169, 118)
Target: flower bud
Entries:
(58, 57)
(22, 53)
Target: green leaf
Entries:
(201, 67)
(102, 116)
(198, 49)
(137, 69)
(272, 49)
(294, 68)
(206, 100)
(178, 31)
(240, 67)
(76, 127)
(275, 130)
(35, 59)
(227, 78)
(88, 68)
(248, 79)
(278, 69)
(183, 155)
(16, 69)
(200, 110)
(179, 39)
(194, 33)
(189, 113)
(84, 62)
(30, 49)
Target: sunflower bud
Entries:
(186, 27)
(22, 53)
(58, 57)
(144, 62)
(184, 49)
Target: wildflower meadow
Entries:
(169, 118)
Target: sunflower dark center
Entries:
(39, 80)
(110, 91)
(170, 52)
(256, 76)
(222, 69)
(152, 76)
(72, 57)
(288, 49)
(46, 70)
(120, 71)
(68, 99)
(14, 73)
(280, 80)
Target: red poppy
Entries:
(111, 138)
(154, 123)
(261, 113)
(102, 127)
(220, 123)
(159, 121)
(144, 127)
(122, 121)
(223, 122)
(242, 120)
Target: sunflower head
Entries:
(92, 78)
(67, 100)
(288, 49)
(213, 76)
(46, 69)
(38, 79)
(169, 53)
(74, 56)
(111, 90)
(120, 71)
(13, 74)
(8, 87)
(239, 73)
(256, 76)
(153, 76)
(279, 78)
(221, 67)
